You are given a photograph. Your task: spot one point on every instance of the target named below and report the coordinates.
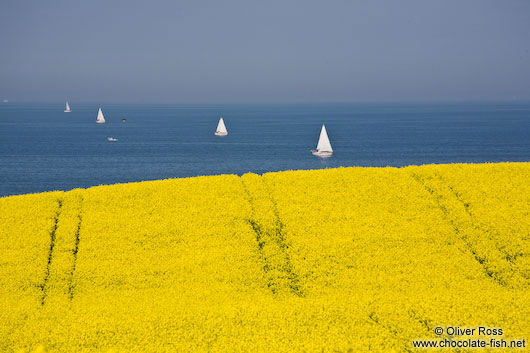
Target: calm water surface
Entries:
(42, 148)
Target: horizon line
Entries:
(420, 101)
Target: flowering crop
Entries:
(362, 259)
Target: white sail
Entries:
(221, 128)
(100, 119)
(323, 142)
(67, 109)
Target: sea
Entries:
(43, 149)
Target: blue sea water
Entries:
(42, 148)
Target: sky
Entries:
(246, 51)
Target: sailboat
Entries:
(67, 109)
(221, 128)
(324, 146)
(100, 119)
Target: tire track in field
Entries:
(511, 258)
(271, 238)
(53, 232)
(65, 236)
(75, 250)
(459, 225)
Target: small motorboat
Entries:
(123, 120)
(112, 139)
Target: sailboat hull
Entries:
(67, 111)
(100, 122)
(217, 133)
(321, 154)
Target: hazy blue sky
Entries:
(264, 51)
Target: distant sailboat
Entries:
(100, 119)
(221, 128)
(324, 146)
(67, 109)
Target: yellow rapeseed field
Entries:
(335, 260)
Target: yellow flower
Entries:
(335, 260)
